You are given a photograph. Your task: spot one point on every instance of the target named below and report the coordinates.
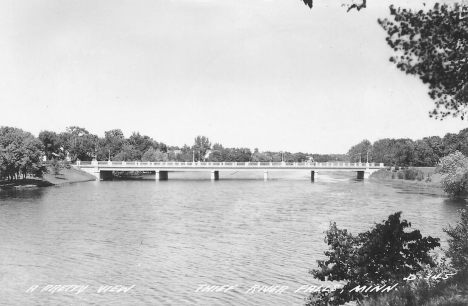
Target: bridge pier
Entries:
(312, 176)
(161, 175)
(214, 175)
(360, 175)
(265, 175)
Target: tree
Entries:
(153, 155)
(423, 155)
(433, 45)
(200, 146)
(358, 153)
(20, 154)
(436, 144)
(454, 175)
(142, 143)
(127, 153)
(51, 142)
(384, 254)
(403, 152)
(79, 143)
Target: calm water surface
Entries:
(169, 237)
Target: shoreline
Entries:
(66, 177)
(431, 180)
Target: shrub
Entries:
(413, 174)
(436, 291)
(401, 175)
(458, 242)
(454, 175)
(386, 253)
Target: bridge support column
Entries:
(161, 175)
(312, 176)
(360, 175)
(214, 175)
(265, 175)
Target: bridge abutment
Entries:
(214, 175)
(162, 175)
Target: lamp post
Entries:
(109, 155)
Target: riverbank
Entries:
(430, 179)
(66, 176)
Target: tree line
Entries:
(22, 154)
(424, 152)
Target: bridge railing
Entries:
(226, 164)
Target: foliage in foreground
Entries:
(454, 175)
(458, 242)
(450, 292)
(433, 45)
(381, 256)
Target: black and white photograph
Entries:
(248, 152)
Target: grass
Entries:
(66, 176)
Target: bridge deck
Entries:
(227, 166)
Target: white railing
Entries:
(226, 164)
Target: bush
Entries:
(458, 242)
(401, 175)
(454, 175)
(384, 254)
(437, 292)
(413, 174)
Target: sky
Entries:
(273, 75)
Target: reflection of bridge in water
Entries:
(103, 169)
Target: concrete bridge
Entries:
(103, 169)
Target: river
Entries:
(165, 238)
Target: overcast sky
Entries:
(247, 73)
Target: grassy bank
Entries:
(430, 179)
(66, 176)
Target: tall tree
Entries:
(200, 146)
(358, 153)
